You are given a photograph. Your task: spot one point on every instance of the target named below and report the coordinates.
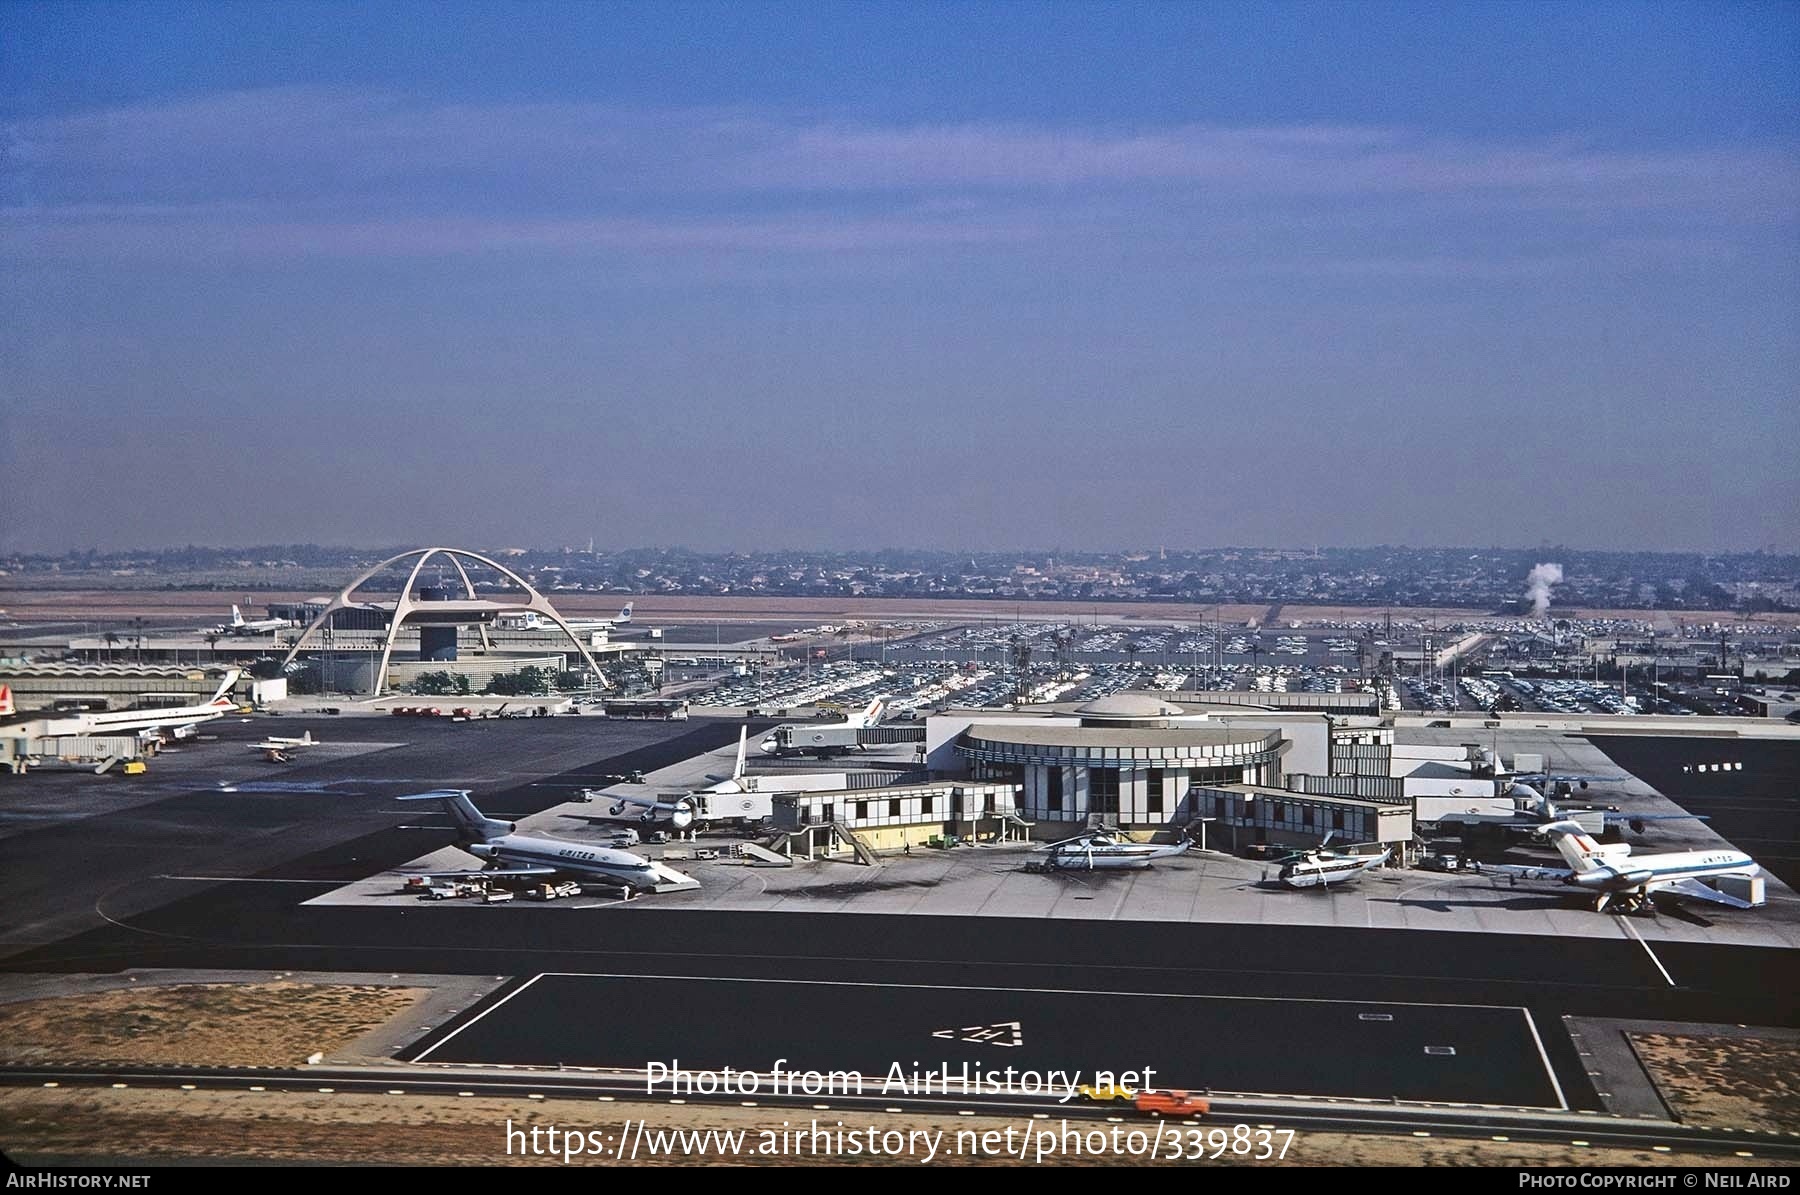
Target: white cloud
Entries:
(309, 170)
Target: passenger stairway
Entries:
(854, 840)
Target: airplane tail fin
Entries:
(872, 715)
(231, 676)
(6, 701)
(1579, 851)
(471, 824)
(737, 769)
(307, 738)
(237, 618)
(625, 614)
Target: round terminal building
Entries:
(1131, 759)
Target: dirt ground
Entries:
(1726, 1082)
(173, 1126)
(202, 606)
(265, 1024)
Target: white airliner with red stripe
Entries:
(177, 718)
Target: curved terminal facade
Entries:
(1130, 759)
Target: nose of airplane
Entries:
(767, 746)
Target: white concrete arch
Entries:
(534, 601)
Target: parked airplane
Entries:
(675, 813)
(601, 624)
(6, 701)
(507, 853)
(281, 750)
(180, 720)
(1106, 850)
(240, 626)
(821, 738)
(1321, 868)
(530, 620)
(734, 783)
(1612, 873)
(1531, 809)
(278, 743)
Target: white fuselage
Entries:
(1649, 872)
(1317, 873)
(156, 719)
(590, 862)
(1109, 856)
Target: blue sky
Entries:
(964, 275)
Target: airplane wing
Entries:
(606, 823)
(1698, 891)
(1635, 819)
(621, 799)
(1521, 872)
(484, 875)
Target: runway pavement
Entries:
(177, 871)
(895, 1037)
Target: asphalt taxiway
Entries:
(78, 851)
(211, 863)
(906, 1037)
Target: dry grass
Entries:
(1726, 1082)
(266, 1024)
(174, 1126)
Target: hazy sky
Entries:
(860, 274)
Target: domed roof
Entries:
(1126, 707)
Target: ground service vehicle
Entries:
(1172, 1103)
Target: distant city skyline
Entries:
(971, 277)
(373, 548)
(1530, 579)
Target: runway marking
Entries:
(1562, 1102)
(975, 987)
(1555, 1084)
(420, 1057)
(987, 1035)
(1631, 932)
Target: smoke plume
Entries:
(1537, 587)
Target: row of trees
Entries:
(529, 681)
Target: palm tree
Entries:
(112, 642)
(212, 642)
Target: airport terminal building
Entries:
(1129, 759)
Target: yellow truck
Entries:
(1105, 1092)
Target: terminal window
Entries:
(1103, 790)
(1053, 789)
